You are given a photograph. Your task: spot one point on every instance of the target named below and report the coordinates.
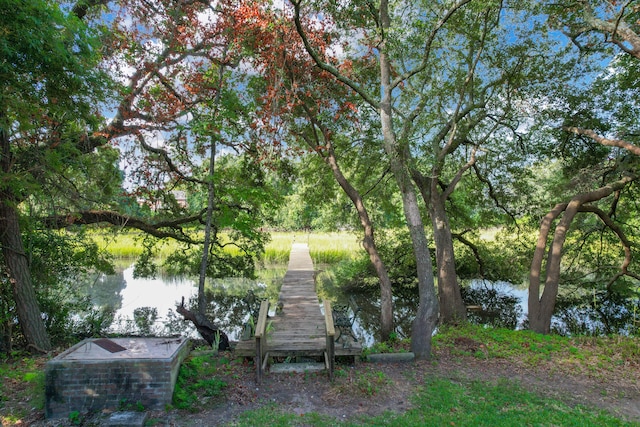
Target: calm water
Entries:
(156, 299)
(228, 305)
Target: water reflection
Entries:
(147, 305)
(500, 304)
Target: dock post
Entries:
(261, 338)
(330, 354)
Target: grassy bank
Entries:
(442, 402)
(447, 391)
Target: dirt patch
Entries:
(371, 389)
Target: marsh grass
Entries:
(325, 248)
(129, 244)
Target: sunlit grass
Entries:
(331, 248)
(455, 402)
(530, 348)
(129, 244)
(325, 248)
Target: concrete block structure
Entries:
(112, 374)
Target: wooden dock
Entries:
(300, 328)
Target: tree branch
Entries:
(126, 221)
(634, 149)
(326, 66)
(476, 253)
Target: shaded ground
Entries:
(372, 389)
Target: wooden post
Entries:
(261, 338)
(330, 354)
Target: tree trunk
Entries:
(17, 265)
(541, 307)
(452, 308)
(207, 329)
(386, 300)
(206, 245)
(398, 151)
(15, 259)
(211, 193)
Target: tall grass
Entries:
(278, 249)
(325, 248)
(129, 244)
(331, 248)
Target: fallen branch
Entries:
(205, 327)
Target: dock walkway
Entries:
(298, 329)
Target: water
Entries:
(146, 306)
(504, 305)
(162, 293)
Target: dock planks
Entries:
(299, 329)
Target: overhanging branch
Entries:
(162, 229)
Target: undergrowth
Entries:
(197, 383)
(533, 349)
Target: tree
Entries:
(602, 114)
(379, 45)
(448, 90)
(50, 85)
(317, 112)
(163, 64)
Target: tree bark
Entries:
(452, 308)
(210, 332)
(17, 265)
(15, 258)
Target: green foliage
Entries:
(196, 384)
(356, 274)
(145, 318)
(75, 418)
(126, 405)
(394, 345)
(60, 262)
(505, 254)
(50, 83)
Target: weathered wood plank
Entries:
(300, 328)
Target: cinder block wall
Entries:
(94, 385)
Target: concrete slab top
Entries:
(135, 348)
